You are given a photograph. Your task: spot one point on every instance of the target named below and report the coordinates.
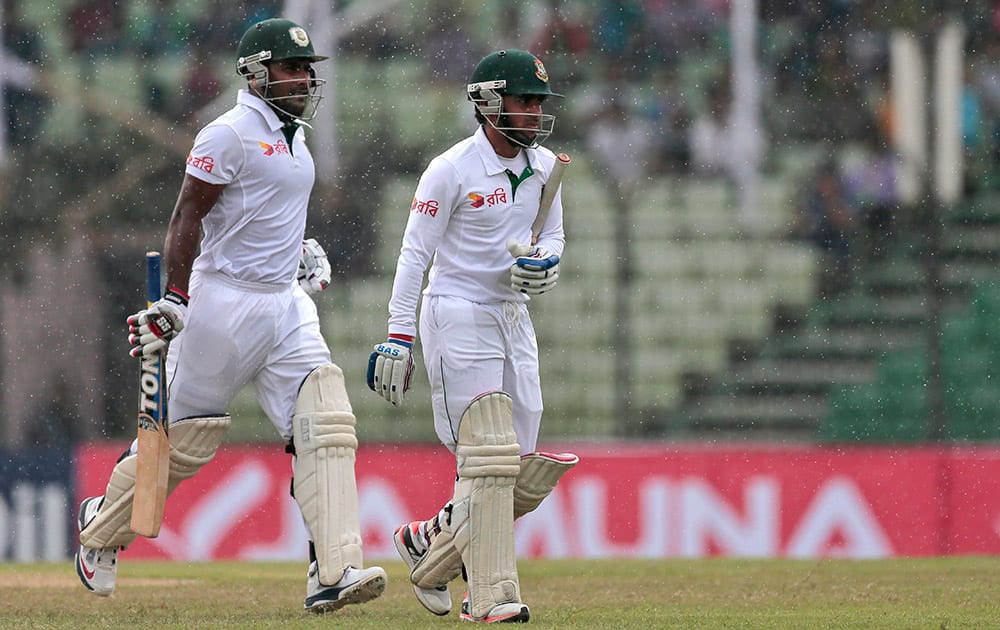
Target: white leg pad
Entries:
(193, 443)
(540, 472)
(482, 516)
(324, 485)
(110, 526)
(538, 476)
(441, 564)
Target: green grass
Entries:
(938, 593)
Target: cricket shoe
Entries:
(438, 599)
(97, 568)
(511, 612)
(356, 586)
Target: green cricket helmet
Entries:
(271, 40)
(511, 72)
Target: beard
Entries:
(521, 138)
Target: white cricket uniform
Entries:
(475, 330)
(248, 320)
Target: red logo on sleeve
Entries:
(425, 207)
(205, 163)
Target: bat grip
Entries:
(153, 291)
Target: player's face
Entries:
(290, 81)
(523, 111)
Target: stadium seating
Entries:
(969, 350)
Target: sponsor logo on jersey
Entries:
(278, 147)
(430, 207)
(498, 196)
(205, 163)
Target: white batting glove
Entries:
(389, 368)
(535, 269)
(314, 267)
(152, 329)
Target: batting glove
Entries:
(390, 366)
(535, 269)
(314, 267)
(152, 329)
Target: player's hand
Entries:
(535, 269)
(152, 329)
(389, 368)
(314, 267)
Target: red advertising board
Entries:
(652, 501)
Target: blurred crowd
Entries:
(656, 70)
(648, 88)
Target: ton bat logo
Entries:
(149, 391)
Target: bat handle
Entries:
(153, 292)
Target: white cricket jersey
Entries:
(254, 232)
(464, 210)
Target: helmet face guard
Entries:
(508, 73)
(276, 40)
(488, 99)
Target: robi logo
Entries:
(205, 163)
(271, 149)
(429, 207)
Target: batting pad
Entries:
(324, 483)
(110, 526)
(441, 564)
(539, 474)
(482, 516)
(193, 443)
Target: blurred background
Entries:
(782, 217)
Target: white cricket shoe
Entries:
(97, 568)
(356, 586)
(511, 612)
(438, 599)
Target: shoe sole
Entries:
(363, 591)
(521, 616)
(423, 594)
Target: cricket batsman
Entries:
(237, 311)
(471, 221)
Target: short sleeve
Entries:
(217, 155)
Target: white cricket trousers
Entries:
(471, 348)
(237, 333)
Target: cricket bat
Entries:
(153, 455)
(549, 194)
(544, 204)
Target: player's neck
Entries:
(501, 145)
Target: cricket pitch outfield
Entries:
(948, 592)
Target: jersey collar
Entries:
(490, 160)
(254, 102)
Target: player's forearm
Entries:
(180, 249)
(404, 299)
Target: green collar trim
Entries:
(289, 130)
(515, 181)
